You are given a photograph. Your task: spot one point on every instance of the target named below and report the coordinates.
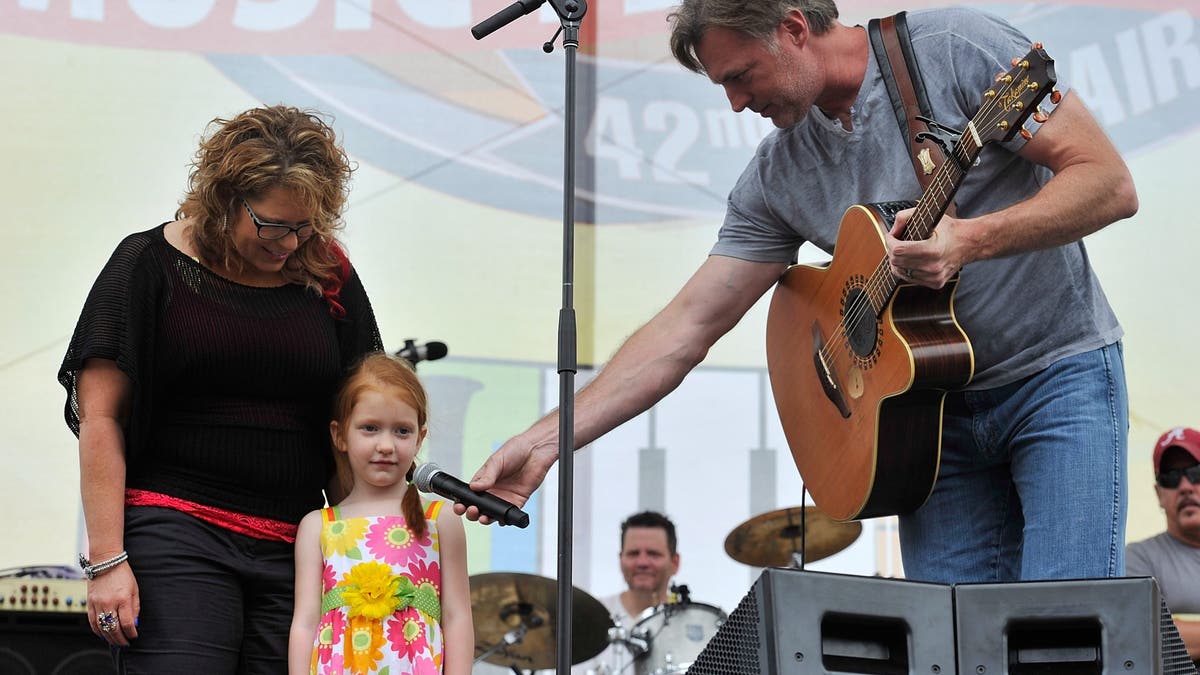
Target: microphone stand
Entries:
(570, 13)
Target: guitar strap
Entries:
(898, 65)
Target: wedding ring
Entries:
(107, 621)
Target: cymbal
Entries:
(769, 539)
(502, 602)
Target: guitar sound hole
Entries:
(861, 323)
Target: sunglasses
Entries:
(272, 231)
(1170, 479)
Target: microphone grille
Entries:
(424, 474)
(435, 350)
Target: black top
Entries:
(232, 384)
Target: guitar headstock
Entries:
(1015, 97)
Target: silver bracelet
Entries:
(92, 571)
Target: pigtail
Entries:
(414, 515)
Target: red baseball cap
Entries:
(1184, 438)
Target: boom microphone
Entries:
(415, 353)
(429, 477)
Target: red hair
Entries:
(390, 376)
(331, 286)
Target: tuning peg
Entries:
(1018, 61)
(1039, 116)
(1025, 134)
(1055, 96)
(1037, 45)
(1015, 60)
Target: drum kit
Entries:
(515, 622)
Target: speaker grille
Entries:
(738, 647)
(51, 643)
(734, 649)
(1175, 657)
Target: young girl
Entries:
(381, 578)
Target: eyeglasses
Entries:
(1170, 479)
(273, 231)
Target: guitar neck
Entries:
(941, 189)
(928, 212)
(1005, 107)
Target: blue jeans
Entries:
(1032, 483)
(214, 602)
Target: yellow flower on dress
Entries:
(370, 590)
(364, 644)
(341, 537)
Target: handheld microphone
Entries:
(429, 477)
(415, 353)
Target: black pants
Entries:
(213, 602)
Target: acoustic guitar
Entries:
(860, 362)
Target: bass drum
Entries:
(675, 635)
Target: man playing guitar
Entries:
(1032, 459)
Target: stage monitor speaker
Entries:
(1083, 627)
(51, 643)
(796, 622)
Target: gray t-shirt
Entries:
(1174, 564)
(1023, 312)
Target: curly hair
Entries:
(755, 18)
(263, 148)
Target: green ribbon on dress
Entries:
(424, 598)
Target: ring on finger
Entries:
(107, 621)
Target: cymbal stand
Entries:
(636, 644)
(798, 553)
(570, 13)
(512, 637)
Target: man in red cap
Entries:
(1173, 557)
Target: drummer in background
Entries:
(649, 558)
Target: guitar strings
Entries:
(882, 284)
(881, 281)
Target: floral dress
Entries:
(381, 608)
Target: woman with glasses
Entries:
(199, 380)
(1173, 557)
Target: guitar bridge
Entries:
(829, 381)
